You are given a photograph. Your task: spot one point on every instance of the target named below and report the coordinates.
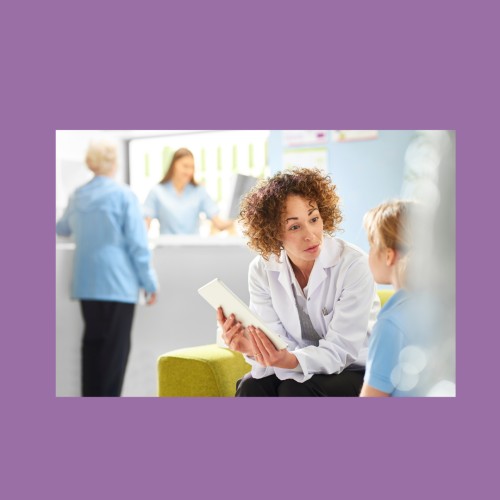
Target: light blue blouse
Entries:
(179, 213)
(112, 259)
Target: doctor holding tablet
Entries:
(314, 290)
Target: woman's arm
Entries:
(211, 210)
(221, 224)
(137, 245)
(149, 208)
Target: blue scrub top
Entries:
(112, 259)
(178, 213)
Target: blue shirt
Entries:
(112, 257)
(178, 213)
(390, 335)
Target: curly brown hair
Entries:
(261, 210)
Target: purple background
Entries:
(241, 65)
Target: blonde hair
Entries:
(101, 157)
(389, 225)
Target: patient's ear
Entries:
(390, 257)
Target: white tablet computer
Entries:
(217, 294)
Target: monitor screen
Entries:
(241, 185)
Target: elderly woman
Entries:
(314, 290)
(112, 262)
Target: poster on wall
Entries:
(304, 137)
(308, 157)
(353, 135)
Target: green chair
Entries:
(385, 295)
(207, 370)
(203, 371)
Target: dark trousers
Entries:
(106, 346)
(345, 384)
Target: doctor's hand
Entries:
(266, 354)
(233, 333)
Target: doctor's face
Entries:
(302, 236)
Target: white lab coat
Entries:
(342, 305)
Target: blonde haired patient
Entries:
(388, 228)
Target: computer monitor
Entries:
(241, 185)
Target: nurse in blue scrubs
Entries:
(178, 200)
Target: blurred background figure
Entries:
(111, 264)
(177, 201)
(428, 366)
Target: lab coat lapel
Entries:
(284, 276)
(329, 256)
(317, 277)
(287, 300)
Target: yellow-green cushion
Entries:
(203, 371)
(385, 295)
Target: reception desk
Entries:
(180, 318)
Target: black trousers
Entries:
(345, 384)
(106, 346)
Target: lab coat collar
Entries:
(329, 257)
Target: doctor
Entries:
(314, 290)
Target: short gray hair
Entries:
(101, 157)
